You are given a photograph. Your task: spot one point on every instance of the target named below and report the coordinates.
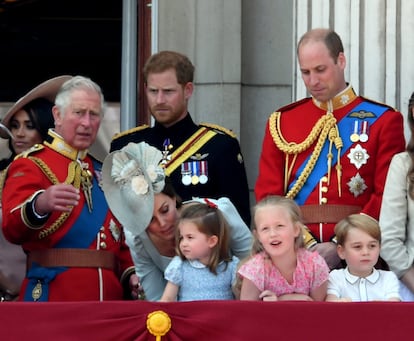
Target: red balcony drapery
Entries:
(208, 320)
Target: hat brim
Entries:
(134, 212)
(5, 132)
(47, 89)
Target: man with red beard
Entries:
(202, 160)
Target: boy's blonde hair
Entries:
(361, 222)
(294, 213)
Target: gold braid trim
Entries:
(338, 145)
(292, 147)
(72, 178)
(219, 128)
(3, 174)
(45, 169)
(320, 132)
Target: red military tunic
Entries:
(364, 164)
(36, 170)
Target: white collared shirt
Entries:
(379, 286)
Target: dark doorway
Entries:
(41, 39)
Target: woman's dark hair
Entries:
(40, 114)
(410, 146)
(170, 191)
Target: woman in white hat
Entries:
(145, 203)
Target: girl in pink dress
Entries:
(280, 268)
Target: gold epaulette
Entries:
(35, 148)
(294, 104)
(379, 103)
(219, 128)
(130, 131)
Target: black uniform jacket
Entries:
(222, 161)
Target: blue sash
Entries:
(82, 233)
(320, 169)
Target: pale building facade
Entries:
(245, 55)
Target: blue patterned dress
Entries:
(197, 282)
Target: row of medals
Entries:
(358, 156)
(194, 172)
(359, 135)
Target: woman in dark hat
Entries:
(24, 125)
(28, 126)
(28, 120)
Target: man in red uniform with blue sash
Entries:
(54, 207)
(329, 152)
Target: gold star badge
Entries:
(357, 185)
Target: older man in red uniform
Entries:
(329, 152)
(54, 207)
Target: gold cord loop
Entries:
(325, 128)
(53, 179)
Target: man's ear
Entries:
(188, 90)
(56, 115)
(341, 60)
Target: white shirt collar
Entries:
(372, 278)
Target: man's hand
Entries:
(328, 252)
(60, 197)
(135, 287)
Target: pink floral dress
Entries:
(311, 272)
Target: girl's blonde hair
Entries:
(359, 221)
(294, 212)
(211, 222)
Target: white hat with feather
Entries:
(130, 178)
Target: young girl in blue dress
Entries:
(204, 269)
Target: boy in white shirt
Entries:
(359, 243)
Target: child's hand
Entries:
(334, 298)
(268, 296)
(345, 299)
(295, 297)
(342, 299)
